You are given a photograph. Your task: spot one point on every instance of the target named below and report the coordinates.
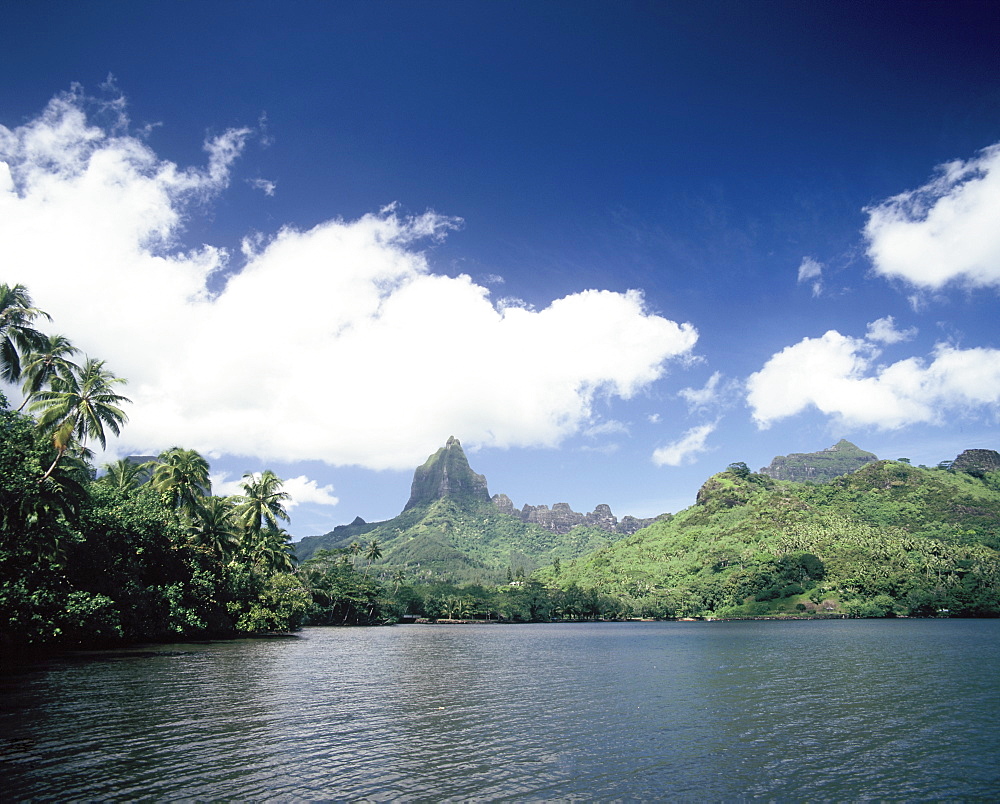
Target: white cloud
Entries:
(337, 343)
(609, 427)
(838, 376)
(945, 231)
(700, 398)
(304, 490)
(223, 486)
(812, 271)
(717, 393)
(267, 187)
(686, 447)
(300, 488)
(884, 330)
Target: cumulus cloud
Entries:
(337, 343)
(811, 271)
(943, 232)
(883, 330)
(301, 489)
(686, 447)
(839, 376)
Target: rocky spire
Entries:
(447, 473)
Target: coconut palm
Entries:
(79, 407)
(262, 504)
(372, 553)
(125, 474)
(42, 365)
(17, 335)
(216, 526)
(274, 550)
(61, 497)
(181, 476)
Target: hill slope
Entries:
(889, 538)
(451, 530)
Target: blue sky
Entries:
(612, 247)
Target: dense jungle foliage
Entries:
(87, 561)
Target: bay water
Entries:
(840, 710)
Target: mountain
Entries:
(445, 474)
(977, 462)
(840, 459)
(451, 529)
(888, 538)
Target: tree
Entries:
(261, 505)
(17, 335)
(125, 475)
(181, 476)
(373, 553)
(274, 550)
(80, 407)
(739, 469)
(50, 360)
(215, 526)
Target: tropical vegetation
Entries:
(143, 552)
(890, 539)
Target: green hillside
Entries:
(887, 539)
(450, 530)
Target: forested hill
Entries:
(451, 530)
(889, 538)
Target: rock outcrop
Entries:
(840, 459)
(447, 473)
(977, 462)
(562, 519)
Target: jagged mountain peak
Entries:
(447, 474)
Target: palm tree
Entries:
(79, 407)
(181, 476)
(274, 550)
(373, 553)
(125, 475)
(17, 336)
(355, 549)
(61, 496)
(48, 361)
(261, 504)
(215, 526)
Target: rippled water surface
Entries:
(808, 710)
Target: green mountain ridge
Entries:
(451, 530)
(888, 538)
